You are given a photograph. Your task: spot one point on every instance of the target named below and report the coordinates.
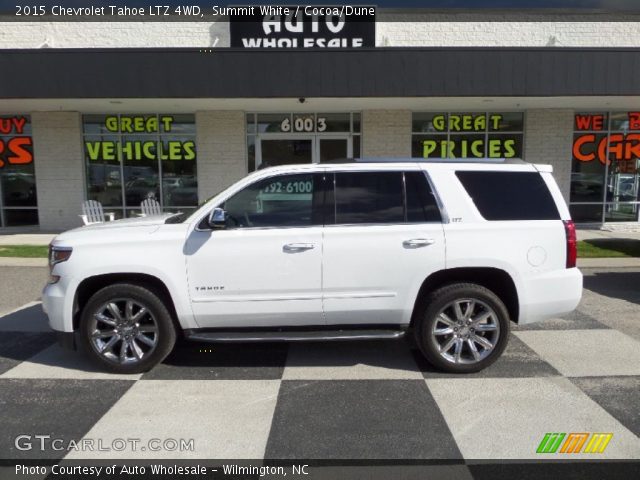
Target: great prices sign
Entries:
(16, 147)
(603, 146)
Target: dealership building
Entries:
(121, 111)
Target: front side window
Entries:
(384, 198)
(280, 201)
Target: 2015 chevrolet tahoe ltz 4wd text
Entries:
(449, 252)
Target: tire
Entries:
(447, 341)
(147, 336)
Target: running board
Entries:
(292, 335)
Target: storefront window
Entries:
(131, 158)
(467, 135)
(605, 166)
(18, 202)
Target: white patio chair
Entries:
(92, 212)
(150, 207)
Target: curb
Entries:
(23, 262)
(624, 262)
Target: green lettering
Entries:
(439, 123)
(152, 125)
(495, 121)
(509, 148)
(175, 151)
(125, 124)
(127, 151)
(93, 150)
(111, 123)
(148, 148)
(428, 147)
(494, 149)
(476, 148)
(480, 123)
(190, 150)
(108, 151)
(454, 123)
(166, 123)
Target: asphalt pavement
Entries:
(366, 400)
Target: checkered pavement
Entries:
(359, 400)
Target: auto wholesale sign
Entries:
(302, 27)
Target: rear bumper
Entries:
(550, 295)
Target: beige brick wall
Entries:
(59, 168)
(222, 152)
(548, 139)
(386, 133)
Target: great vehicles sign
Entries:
(302, 27)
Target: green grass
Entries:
(24, 251)
(609, 248)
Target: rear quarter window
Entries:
(509, 195)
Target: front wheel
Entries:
(126, 328)
(462, 328)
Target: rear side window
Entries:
(510, 195)
(369, 197)
(384, 198)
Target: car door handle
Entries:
(418, 242)
(297, 247)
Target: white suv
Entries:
(449, 251)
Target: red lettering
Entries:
(577, 148)
(616, 148)
(632, 147)
(589, 122)
(1, 150)
(5, 125)
(598, 122)
(19, 123)
(20, 148)
(634, 121)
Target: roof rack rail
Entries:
(425, 160)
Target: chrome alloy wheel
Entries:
(123, 331)
(466, 331)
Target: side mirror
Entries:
(218, 219)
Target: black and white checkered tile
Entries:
(369, 400)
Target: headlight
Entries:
(58, 255)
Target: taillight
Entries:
(572, 243)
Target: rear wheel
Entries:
(127, 328)
(462, 328)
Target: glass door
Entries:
(333, 148)
(272, 151)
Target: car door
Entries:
(263, 268)
(386, 238)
